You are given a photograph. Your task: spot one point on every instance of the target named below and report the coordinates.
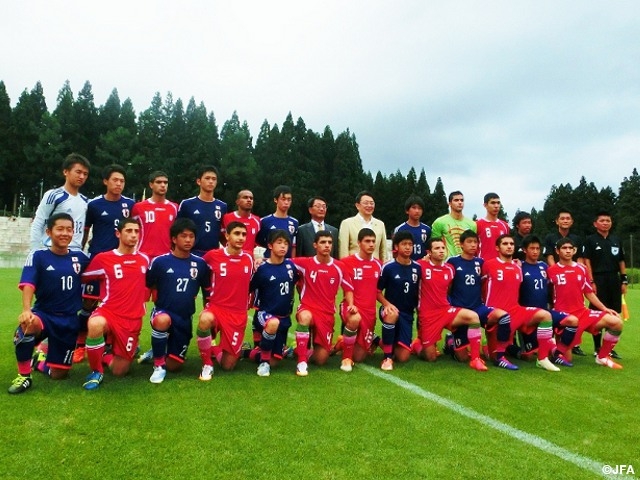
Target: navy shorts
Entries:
(180, 334)
(261, 317)
(62, 332)
(403, 330)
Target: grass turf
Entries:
(330, 425)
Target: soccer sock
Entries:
(266, 345)
(256, 355)
(24, 351)
(302, 341)
(545, 332)
(566, 338)
(597, 341)
(95, 350)
(610, 340)
(530, 341)
(257, 338)
(83, 318)
(204, 346)
(216, 351)
(474, 335)
(159, 341)
(388, 336)
(503, 335)
(348, 342)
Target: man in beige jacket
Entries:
(350, 227)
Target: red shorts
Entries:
(433, 322)
(321, 327)
(520, 317)
(231, 326)
(587, 320)
(366, 329)
(123, 332)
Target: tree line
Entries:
(175, 138)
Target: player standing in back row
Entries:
(155, 214)
(490, 227)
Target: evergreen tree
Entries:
(627, 222)
(7, 153)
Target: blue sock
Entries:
(567, 335)
(159, 342)
(504, 328)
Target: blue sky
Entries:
(510, 97)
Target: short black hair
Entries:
(207, 168)
(529, 239)
(453, 194)
(401, 236)
(125, 221)
(362, 194)
(312, 200)
(111, 169)
(51, 221)
(490, 196)
(564, 241)
(180, 225)
(433, 240)
(73, 158)
(413, 200)
(156, 174)
(520, 216)
(281, 190)
(233, 225)
(504, 235)
(468, 234)
(322, 233)
(365, 232)
(278, 233)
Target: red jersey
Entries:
(434, 285)
(502, 283)
(320, 283)
(155, 221)
(569, 286)
(230, 279)
(124, 280)
(252, 222)
(488, 233)
(363, 277)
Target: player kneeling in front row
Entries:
(435, 313)
(364, 271)
(120, 314)
(175, 279)
(226, 310)
(272, 286)
(570, 284)
(398, 292)
(53, 276)
(322, 276)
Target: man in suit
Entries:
(306, 233)
(350, 227)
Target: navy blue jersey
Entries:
(56, 279)
(533, 289)
(271, 222)
(273, 287)
(466, 288)
(400, 285)
(104, 215)
(420, 235)
(208, 218)
(177, 282)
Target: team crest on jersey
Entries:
(76, 267)
(423, 236)
(143, 269)
(217, 214)
(290, 272)
(332, 281)
(246, 269)
(615, 250)
(125, 210)
(414, 277)
(292, 229)
(193, 271)
(478, 270)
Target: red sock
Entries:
(204, 347)
(347, 348)
(608, 342)
(302, 339)
(474, 336)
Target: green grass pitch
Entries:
(329, 425)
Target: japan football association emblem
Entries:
(125, 212)
(217, 214)
(193, 272)
(290, 272)
(292, 229)
(76, 268)
(423, 236)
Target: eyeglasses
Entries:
(321, 206)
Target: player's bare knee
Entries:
(402, 355)
(271, 327)
(96, 326)
(173, 365)
(120, 366)
(58, 373)
(320, 356)
(205, 321)
(304, 318)
(161, 322)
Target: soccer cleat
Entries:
(478, 364)
(264, 369)
(158, 374)
(207, 373)
(504, 363)
(615, 355)
(93, 380)
(287, 352)
(79, 354)
(387, 364)
(302, 369)
(578, 351)
(546, 364)
(146, 356)
(560, 359)
(20, 384)
(346, 365)
(607, 362)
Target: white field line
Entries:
(538, 442)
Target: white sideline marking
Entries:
(538, 442)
